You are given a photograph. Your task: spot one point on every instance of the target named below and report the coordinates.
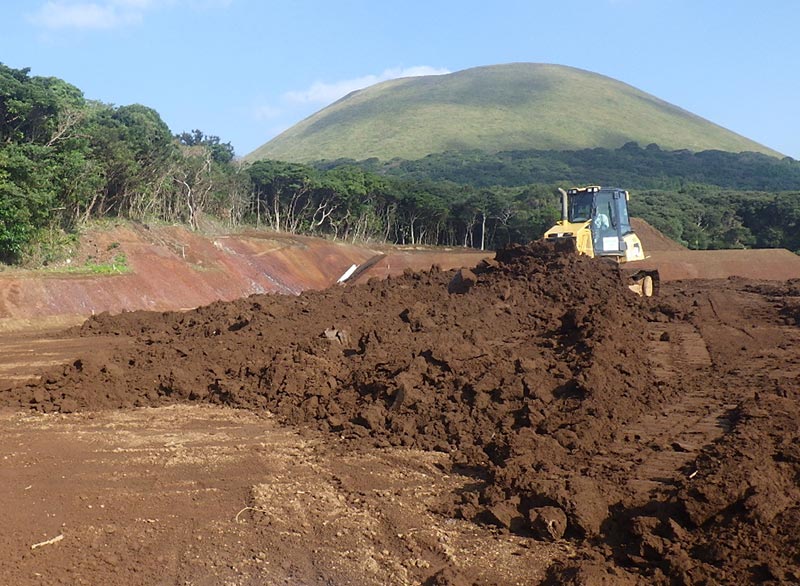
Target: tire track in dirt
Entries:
(655, 450)
(715, 363)
(726, 510)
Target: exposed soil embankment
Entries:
(171, 268)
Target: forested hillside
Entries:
(66, 161)
(631, 165)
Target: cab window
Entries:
(606, 210)
(580, 207)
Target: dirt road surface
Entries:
(210, 495)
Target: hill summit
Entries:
(516, 106)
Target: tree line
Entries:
(631, 165)
(347, 202)
(66, 160)
(709, 217)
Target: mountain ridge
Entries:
(495, 108)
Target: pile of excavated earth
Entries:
(659, 437)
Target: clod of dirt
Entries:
(462, 281)
(594, 571)
(548, 522)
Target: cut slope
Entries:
(171, 268)
(496, 108)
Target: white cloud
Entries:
(140, 4)
(105, 14)
(88, 15)
(273, 116)
(321, 92)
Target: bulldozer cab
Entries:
(608, 216)
(606, 211)
(580, 206)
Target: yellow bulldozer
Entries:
(595, 222)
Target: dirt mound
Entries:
(526, 364)
(652, 238)
(529, 371)
(398, 347)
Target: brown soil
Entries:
(652, 239)
(675, 262)
(721, 264)
(212, 496)
(529, 421)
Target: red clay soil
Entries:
(766, 264)
(171, 268)
(658, 437)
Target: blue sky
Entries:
(245, 70)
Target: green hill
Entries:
(496, 108)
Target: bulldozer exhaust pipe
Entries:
(564, 205)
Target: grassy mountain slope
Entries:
(495, 108)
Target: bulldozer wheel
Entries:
(647, 286)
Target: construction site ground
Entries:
(529, 421)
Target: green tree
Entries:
(222, 153)
(26, 196)
(350, 203)
(282, 193)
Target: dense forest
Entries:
(631, 165)
(66, 161)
